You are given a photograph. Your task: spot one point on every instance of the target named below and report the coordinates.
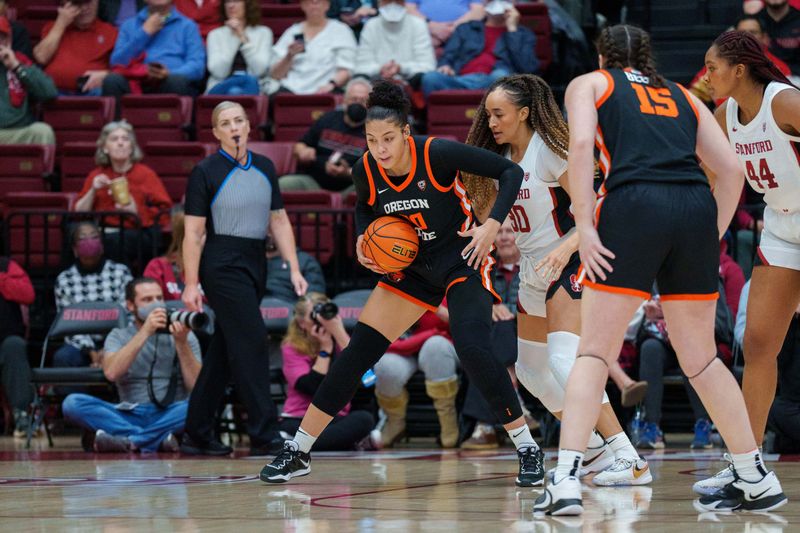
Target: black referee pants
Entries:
(233, 277)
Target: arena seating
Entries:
(76, 161)
(25, 167)
(450, 113)
(293, 113)
(279, 17)
(78, 118)
(158, 117)
(314, 229)
(173, 162)
(535, 16)
(281, 153)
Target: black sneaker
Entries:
(291, 462)
(741, 495)
(531, 467)
(190, 447)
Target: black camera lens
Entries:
(326, 310)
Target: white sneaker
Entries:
(559, 499)
(596, 460)
(740, 495)
(625, 472)
(708, 486)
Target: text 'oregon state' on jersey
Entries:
(645, 133)
(436, 211)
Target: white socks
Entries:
(304, 440)
(569, 464)
(622, 447)
(595, 441)
(522, 438)
(749, 466)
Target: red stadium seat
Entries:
(537, 18)
(35, 17)
(255, 106)
(25, 167)
(450, 113)
(173, 162)
(313, 228)
(279, 17)
(293, 114)
(77, 161)
(35, 240)
(158, 117)
(78, 118)
(280, 154)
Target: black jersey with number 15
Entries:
(645, 133)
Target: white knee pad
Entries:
(533, 371)
(562, 348)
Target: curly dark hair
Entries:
(388, 101)
(628, 46)
(252, 12)
(544, 117)
(740, 47)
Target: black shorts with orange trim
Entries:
(426, 281)
(665, 232)
(568, 279)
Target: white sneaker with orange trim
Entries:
(625, 472)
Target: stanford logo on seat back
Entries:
(422, 184)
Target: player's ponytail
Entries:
(624, 46)
(388, 101)
(740, 47)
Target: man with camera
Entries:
(154, 363)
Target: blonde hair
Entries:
(101, 157)
(295, 336)
(222, 106)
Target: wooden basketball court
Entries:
(403, 490)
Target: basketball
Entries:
(391, 243)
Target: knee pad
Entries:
(533, 371)
(562, 349)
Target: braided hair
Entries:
(544, 117)
(388, 101)
(625, 46)
(740, 47)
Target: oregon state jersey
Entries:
(435, 211)
(645, 133)
(770, 157)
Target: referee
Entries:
(232, 202)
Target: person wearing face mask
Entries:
(332, 145)
(92, 278)
(154, 365)
(395, 45)
(481, 51)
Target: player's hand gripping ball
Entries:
(391, 243)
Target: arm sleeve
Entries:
(309, 383)
(114, 341)
(521, 47)
(62, 298)
(131, 41)
(345, 52)
(194, 344)
(424, 58)
(364, 212)
(220, 56)
(40, 86)
(198, 195)
(15, 285)
(452, 48)
(257, 51)
(268, 168)
(448, 157)
(281, 47)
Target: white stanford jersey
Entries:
(540, 216)
(771, 158)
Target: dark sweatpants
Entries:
(342, 434)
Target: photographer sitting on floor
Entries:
(154, 371)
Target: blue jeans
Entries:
(69, 355)
(436, 81)
(145, 425)
(237, 84)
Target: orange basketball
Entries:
(391, 243)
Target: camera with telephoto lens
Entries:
(326, 310)
(192, 319)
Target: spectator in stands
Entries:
(160, 49)
(20, 38)
(16, 290)
(22, 84)
(752, 25)
(122, 183)
(279, 282)
(309, 347)
(394, 45)
(76, 48)
(207, 14)
(333, 144)
(504, 341)
(480, 51)
(239, 53)
(444, 16)
(751, 7)
(428, 347)
(167, 270)
(118, 11)
(154, 373)
(92, 278)
(656, 357)
(782, 23)
(354, 13)
(314, 56)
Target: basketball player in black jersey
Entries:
(656, 219)
(417, 178)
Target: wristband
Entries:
(324, 354)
